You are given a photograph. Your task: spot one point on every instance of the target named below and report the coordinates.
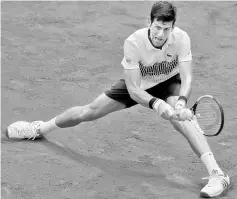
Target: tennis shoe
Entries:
(216, 185)
(24, 130)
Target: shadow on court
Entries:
(124, 170)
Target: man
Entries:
(158, 75)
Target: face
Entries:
(159, 32)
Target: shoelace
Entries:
(27, 132)
(213, 180)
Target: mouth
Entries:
(158, 39)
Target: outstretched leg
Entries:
(218, 180)
(100, 107)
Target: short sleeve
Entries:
(184, 52)
(131, 55)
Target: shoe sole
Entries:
(204, 195)
(224, 192)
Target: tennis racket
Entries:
(209, 115)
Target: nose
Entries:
(160, 33)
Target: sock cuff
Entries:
(206, 154)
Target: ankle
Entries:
(46, 127)
(211, 164)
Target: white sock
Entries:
(48, 126)
(210, 163)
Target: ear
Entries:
(149, 22)
(173, 26)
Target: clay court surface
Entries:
(59, 54)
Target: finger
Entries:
(178, 106)
(186, 114)
(168, 114)
(175, 117)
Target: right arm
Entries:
(132, 74)
(133, 81)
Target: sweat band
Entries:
(152, 101)
(183, 98)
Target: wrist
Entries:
(157, 104)
(154, 103)
(151, 102)
(183, 98)
(180, 103)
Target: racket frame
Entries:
(193, 109)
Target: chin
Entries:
(158, 45)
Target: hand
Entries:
(166, 111)
(184, 114)
(169, 114)
(180, 104)
(181, 112)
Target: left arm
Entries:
(185, 70)
(186, 75)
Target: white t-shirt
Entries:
(156, 65)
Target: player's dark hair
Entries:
(163, 11)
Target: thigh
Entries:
(119, 93)
(104, 105)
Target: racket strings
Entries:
(209, 116)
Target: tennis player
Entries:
(158, 75)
